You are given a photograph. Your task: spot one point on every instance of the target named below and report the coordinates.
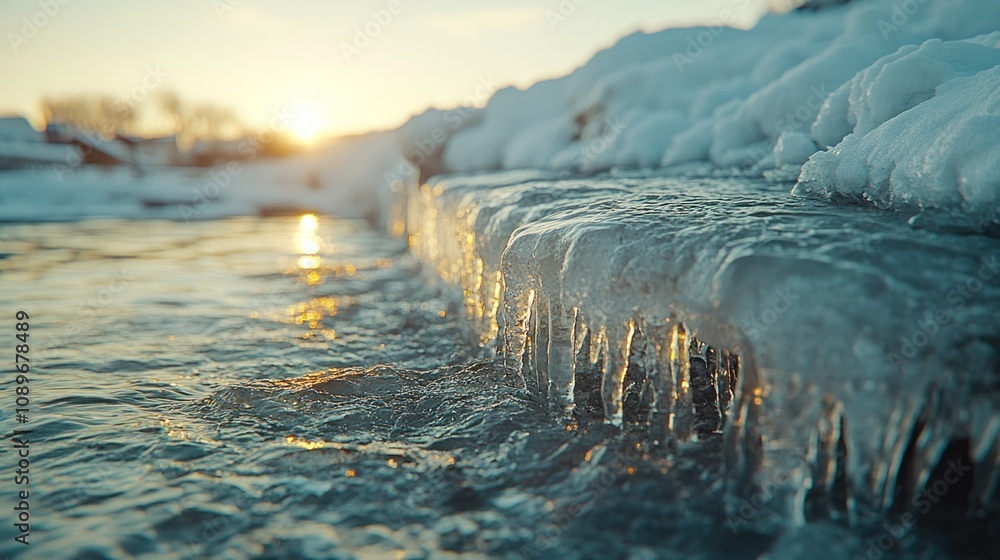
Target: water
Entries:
(303, 387)
(277, 388)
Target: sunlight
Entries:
(307, 123)
(308, 222)
(308, 245)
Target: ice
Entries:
(18, 128)
(842, 353)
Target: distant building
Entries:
(18, 128)
(158, 151)
(90, 147)
(210, 152)
(23, 146)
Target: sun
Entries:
(307, 122)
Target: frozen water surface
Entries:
(844, 354)
(613, 367)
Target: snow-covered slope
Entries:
(796, 84)
(920, 127)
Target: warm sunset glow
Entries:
(307, 122)
(274, 57)
(308, 222)
(307, 243)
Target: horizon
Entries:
(342, 70)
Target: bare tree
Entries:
(199, 121)
(99, 113)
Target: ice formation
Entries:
(844, 355)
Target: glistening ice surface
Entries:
(848, 355)
(302, 387)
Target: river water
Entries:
(301, 387)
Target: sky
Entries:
(340, 66)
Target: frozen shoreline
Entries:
(851, 329)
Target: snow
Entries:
(771, 97)
(886, 102)
(922, 130)
(335, 180)
(21, 144)
(15, 152)
(18, 129)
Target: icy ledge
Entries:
(843, 355)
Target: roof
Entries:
(18, 128)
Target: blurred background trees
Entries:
(110, 116)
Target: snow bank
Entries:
(339, 179)
(773, 96)
(920, 127)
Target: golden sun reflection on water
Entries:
(308, 244)
(312, 313)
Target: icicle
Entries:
(704, 372)
(636, 392)
(516, 333)
(682, 422)
(540, 345)
(561, 360)
(724, 382)
(662, 383)
(985, 429)
(824, 455)
(618, 338)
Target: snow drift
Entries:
(892, 96)
(920, 127)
